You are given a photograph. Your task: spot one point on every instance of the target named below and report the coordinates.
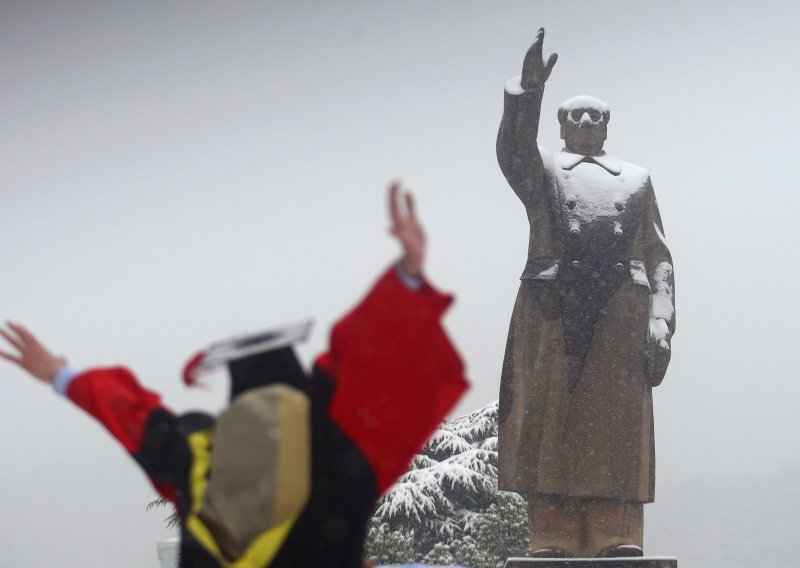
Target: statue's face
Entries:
(584, 125)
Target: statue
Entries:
(590, 334)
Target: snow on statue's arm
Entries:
(658, 261)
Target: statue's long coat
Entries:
(590, 435)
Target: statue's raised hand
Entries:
(534, 69)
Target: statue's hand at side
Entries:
(30, 354)
(535, 71)
(658, 350)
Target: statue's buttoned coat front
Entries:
(592, 435)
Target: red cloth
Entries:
(116, 399)
(397, 374)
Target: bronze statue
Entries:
(591, 329)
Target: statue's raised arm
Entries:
(517, 151)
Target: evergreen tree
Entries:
(446, 509)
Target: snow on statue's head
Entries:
(584, 123)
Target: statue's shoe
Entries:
(552, 552)
(621, 551)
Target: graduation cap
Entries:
(255, 359)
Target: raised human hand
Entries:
(406, 228)
(31, 355)
(535, 71)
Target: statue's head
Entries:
(584, 121)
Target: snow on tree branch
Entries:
(446, 509)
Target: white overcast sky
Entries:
(174, 172)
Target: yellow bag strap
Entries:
(261, 552)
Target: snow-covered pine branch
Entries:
(446, 509)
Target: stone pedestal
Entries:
(644, 562)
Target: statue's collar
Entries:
(568, 160)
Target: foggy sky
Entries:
(172, 173)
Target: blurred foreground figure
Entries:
(591, 329)
(287, 476)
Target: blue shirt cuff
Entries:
(63, 378)
(411, 282)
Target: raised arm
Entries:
(390, 348)
(517, 150)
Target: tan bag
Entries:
(261, 467)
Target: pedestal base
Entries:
(643, 562)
